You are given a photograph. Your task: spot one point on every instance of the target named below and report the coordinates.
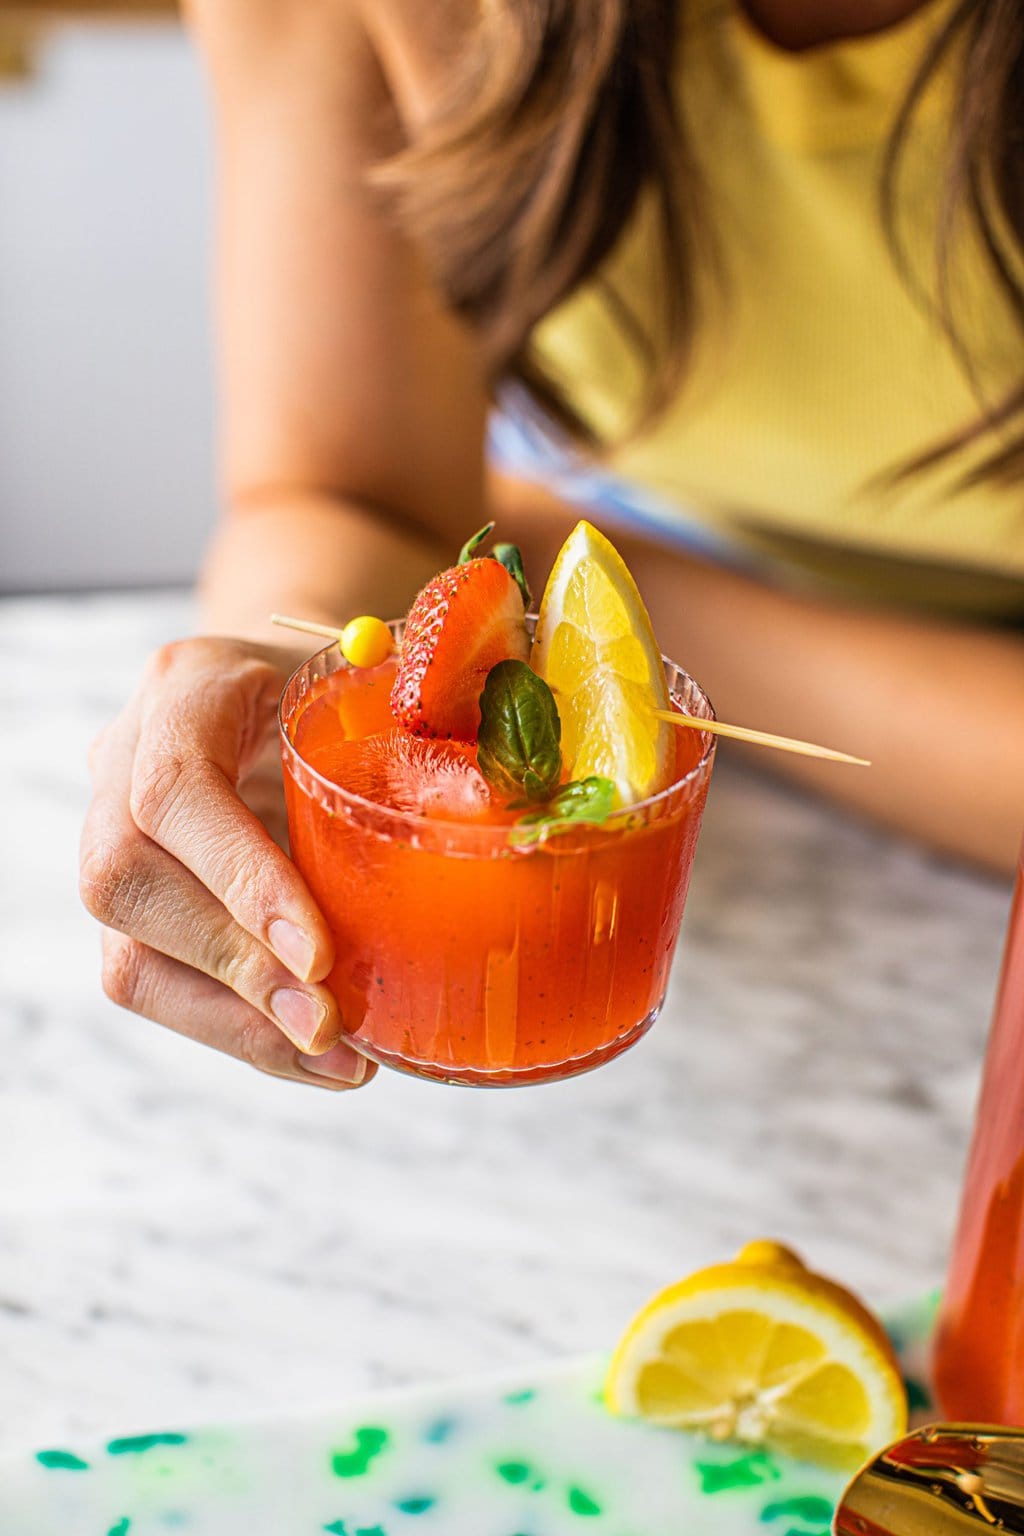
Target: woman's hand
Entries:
(208, 927)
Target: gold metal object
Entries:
(945, 1480)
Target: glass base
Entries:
(507, 1077)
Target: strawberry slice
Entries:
(461, 625)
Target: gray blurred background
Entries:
(106, 408)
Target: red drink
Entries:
(979, 1354)
(461, 957)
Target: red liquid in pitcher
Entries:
(979, 1353)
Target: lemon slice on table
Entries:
(765, 1352)
(595, 648)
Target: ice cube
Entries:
(407, 774)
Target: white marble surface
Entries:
(183, 1241)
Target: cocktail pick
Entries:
(945, 1480)
(760, 738)
(674, 717)
(307, 627)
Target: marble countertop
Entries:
(182, 1240)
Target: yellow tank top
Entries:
(817, 369)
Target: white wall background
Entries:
(106, 431)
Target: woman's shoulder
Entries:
(416, 46)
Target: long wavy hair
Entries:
(563, 116)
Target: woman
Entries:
(662, 218)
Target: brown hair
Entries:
(565, 116)
(985, 181)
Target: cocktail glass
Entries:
(463, 958)
(979, 1347)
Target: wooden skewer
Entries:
(760, 738)
(306, 626)
(715, 727)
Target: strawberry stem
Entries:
(469, 549)
(506, 554)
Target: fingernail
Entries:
(291, 945)
(341, 1063)
(299, 1014)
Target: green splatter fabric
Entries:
(134, 1445)
(61, 1461)
(538, 1456)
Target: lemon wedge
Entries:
(595, 648)
(765, 1352)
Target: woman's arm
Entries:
(353, 404)
(937, 707)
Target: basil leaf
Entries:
(582, 801)
(518, 743)
(469, 549)
(508, 555)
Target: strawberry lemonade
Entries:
(496, 821)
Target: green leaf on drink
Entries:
(581, 802)
(469, 549)
(509, 556)
(519, 740)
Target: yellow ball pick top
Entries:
(765, 1352)
(366, 641)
